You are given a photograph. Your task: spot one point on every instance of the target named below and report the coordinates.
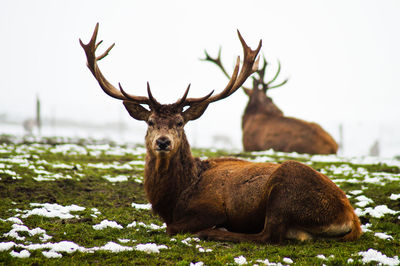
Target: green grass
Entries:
(75, 170)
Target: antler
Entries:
(108, 88)
(249, 66)
(258, 83)
(261, 74)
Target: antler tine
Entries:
(280, 84)
(261, 71)
(152, 101)
(216, 61)
(250, 65)
(277, 73)
(181, 101)
(133, 98)
(90, 51)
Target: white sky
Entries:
(342, 57)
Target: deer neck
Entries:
(167, 177)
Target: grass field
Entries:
(65, 201)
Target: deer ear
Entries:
(137, 111)
(194, 112)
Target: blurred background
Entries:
(342, 59)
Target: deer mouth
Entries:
(163, 150)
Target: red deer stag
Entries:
(265, 127)
(260, 202)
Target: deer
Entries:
(226, 199)
(264, 125)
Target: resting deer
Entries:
(260, 202)
(265, 127)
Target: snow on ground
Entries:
(377, 212)
(105, 224)
(383, 236)
(287, 260)
(114, 247)
(372, 255)
(342, 167)
(118, 178)
(150, 247)
(115, 165)
(51, 254)
(394, 196)
(23, 254)
(22, 228)
(146, 206)
(240, 260)
(53, 210)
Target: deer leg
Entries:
(194, 223)
(274, 232)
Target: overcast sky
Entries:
(342, 57)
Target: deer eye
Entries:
(179, 124)
(150, 123)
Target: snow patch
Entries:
(141, 206)
(114, 247)
(394, 196)
(287, 260)
(374, 255)
(240, 260)
(51, 254)
(53, 210)
(377, 212)
(106, 223)
(23, 254)
(150, 248)
(384, 236)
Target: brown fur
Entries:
(265, 127)
(261, 202)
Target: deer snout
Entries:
(163, 143)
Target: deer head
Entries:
(259, 101)
(166, 121)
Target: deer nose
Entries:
(163, 143)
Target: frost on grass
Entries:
(372, 255)
(115, 165)
(268, 263)
(69, 149)
(106, 223)
(190, 239)
(147, 226)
